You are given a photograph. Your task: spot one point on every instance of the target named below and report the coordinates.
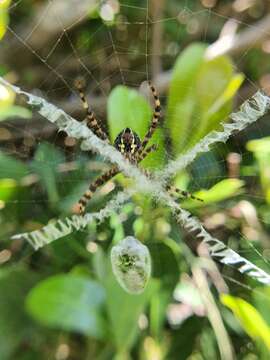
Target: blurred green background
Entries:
(205, 58)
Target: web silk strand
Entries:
(250, 111)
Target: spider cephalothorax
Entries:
(127, 142)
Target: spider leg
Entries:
(155, 119)
(172, 189)
(145, 152)
(87, 196)
(91, 120)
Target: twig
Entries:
(157, 8)
(235, 43)
(224, 344)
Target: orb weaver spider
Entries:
(127, 142)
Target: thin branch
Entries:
(233, 44)
(224, 344)
(157, 8)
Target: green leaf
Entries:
(4, 5)
(7, 96)
(261, 150)
(228, 93)
(68, 302)
(200, 95)
(215, 88)
(164, 264)
(249, 317)
(261, 297)
(15, 325)
(181, 99)
(14, 111)
(221, 191)
(8, 188)
(127, 108)
(124, 311)
(46, 161)
(259, 147)
(12, 168)
(213, 78)
(165, 272)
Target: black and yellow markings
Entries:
(155, 119)
(172, 189)
(87, 196)
(129, 144)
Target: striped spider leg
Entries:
(155, 120)
(91, 119)
(171, 190)
(185, 194)
(128, 143)
(87, 196)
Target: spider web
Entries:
(105, 59)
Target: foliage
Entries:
(4, 16)
(261, 150)
(68, 302)
(200, 97)
(250, 319)
(66, 293)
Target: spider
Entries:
(127, 142)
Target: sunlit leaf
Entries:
(127, 108)
(229, 91)
(200, 95)
(4, 4)
(260, 147)
(222, 106)
(7, 109)
(14, 111)
(7, 188)
(181, 99)
(261, 298)
(7, 97)
(216, 86)
(261, 151)
(221, 191)
(249, 317)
